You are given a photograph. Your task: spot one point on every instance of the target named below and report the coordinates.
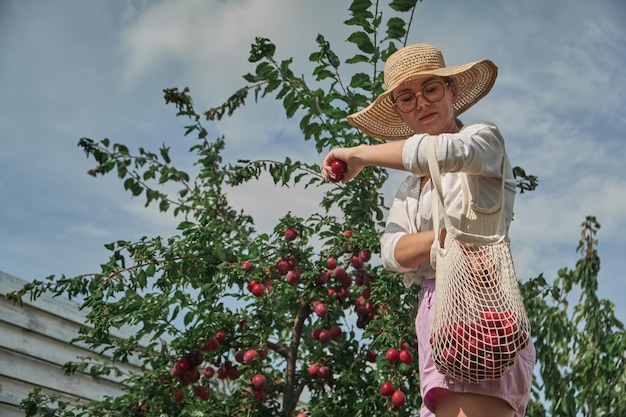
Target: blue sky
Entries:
(72, 69)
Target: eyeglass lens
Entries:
(432, 92)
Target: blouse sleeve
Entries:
(477, 149)
(399, 222)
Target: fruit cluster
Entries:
(397, 392)
(480, 349)
(337, 278)
(187, 373)
(326, 335)
(189, 370)
(319, 371)
(397, 396)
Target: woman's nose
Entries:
(420, 101)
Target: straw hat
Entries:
(473, 81)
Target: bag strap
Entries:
(438, 202)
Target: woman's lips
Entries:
(427, 116)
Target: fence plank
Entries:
(40, 373)
(58, 306)
(35, 343)
(7, 410)
(52, 351)
(13, 391)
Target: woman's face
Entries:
(431, 117)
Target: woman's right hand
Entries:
(387, 155)
(347, 155)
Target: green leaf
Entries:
(165, 154)
(360, 6)
(362, 41)
(185, 225)
(403, 5)
(357, 59)
(396, 28)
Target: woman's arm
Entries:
(477, 149)
(387, 155)
(413, 249)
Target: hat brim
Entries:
(473, 81)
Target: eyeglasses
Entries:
(431, 92)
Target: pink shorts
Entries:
(513, 387)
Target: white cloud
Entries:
(84, 230)
(210, 39)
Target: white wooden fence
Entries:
(34, 345)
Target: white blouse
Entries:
(475, 155)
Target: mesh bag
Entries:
(480, 324)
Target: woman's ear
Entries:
(453, 90)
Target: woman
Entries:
(424, 97)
